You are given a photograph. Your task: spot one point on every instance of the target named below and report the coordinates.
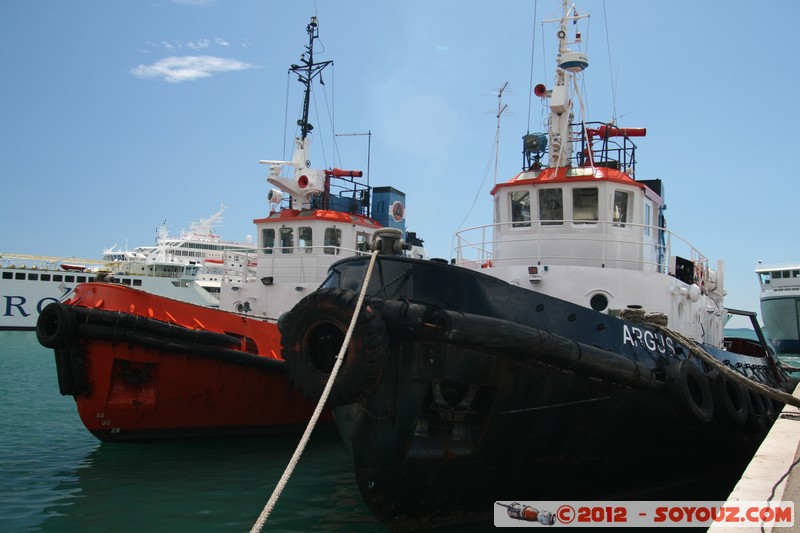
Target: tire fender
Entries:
(730, 401)
(312, 334)
(690, 391)
(756, 413)
(56, 326)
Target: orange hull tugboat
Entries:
(141, 366)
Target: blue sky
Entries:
(117, 115)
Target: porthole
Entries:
(599, 302)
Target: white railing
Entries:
(478, 245)
(302, 264)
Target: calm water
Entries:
(55, 476)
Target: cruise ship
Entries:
(780, 305)
(189, 267)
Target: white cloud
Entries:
(189, 68)
(194, 2)
(196, 45)
(199, 45)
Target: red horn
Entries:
(611, 131)
(540, 90)
(339, 173)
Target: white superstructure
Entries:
(578, 224)
(189, 267)
(780, 305)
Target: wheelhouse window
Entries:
(287, 240)
(647, 218)
(304, 240)
(551, 207)
(362, 242)
(520, 209)
(333, 241)
(268, 240)
(620, 214)
(584, 205)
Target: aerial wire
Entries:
(530, 81)
(286, 116)
(611, 71)
(492, 157)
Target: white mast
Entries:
(561, 113)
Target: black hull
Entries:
(532, 433)
(787, 346)
(490, 392)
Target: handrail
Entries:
(300, 254)
(538, 234)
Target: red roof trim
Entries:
(549, 175)
(291, 215)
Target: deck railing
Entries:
(598, 243)
(296, 264)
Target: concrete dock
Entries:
(772, 474)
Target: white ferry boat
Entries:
(780, 305)
(216, 259)
(189, 268)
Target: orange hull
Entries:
(142, 366)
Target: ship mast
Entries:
(561, 112)
(307, 72)
(307, 182)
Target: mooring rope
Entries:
(659, 322)
(743, 380)
(315, 416)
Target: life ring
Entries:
(690, 391)
(312, 334)
(730, 401)
(56, 326)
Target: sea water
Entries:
(56, 476)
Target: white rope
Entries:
(314, 417)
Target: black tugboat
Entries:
(574, 351)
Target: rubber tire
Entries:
(730, 401)
(56, 326)
(756, 413)
(312, 334)
(690, 391)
